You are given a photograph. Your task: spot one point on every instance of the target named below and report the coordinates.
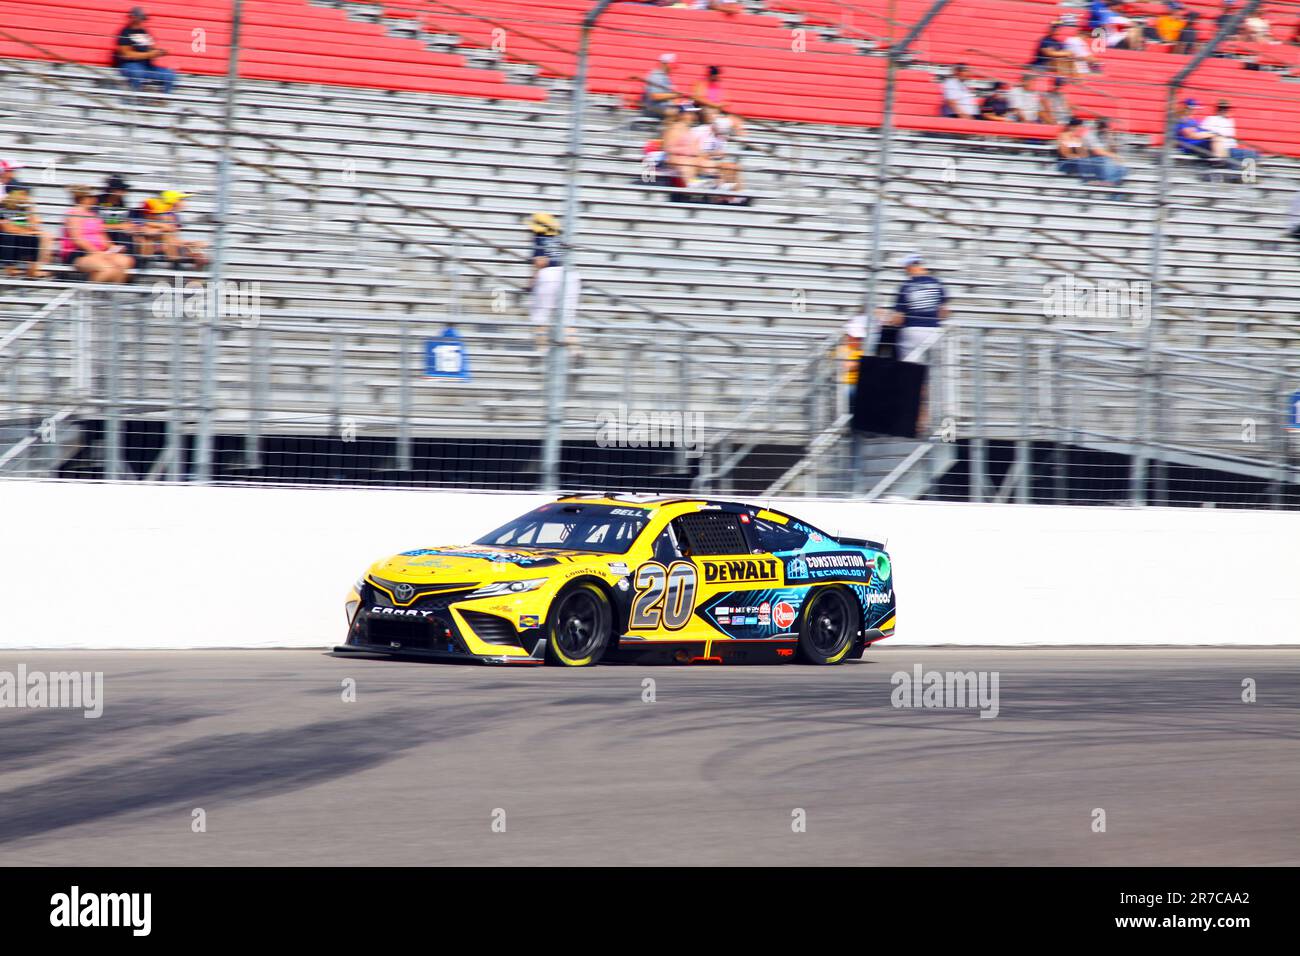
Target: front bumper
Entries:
(438, 634)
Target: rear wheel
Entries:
(578, 626)
(829, 627)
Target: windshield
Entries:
(606, 529)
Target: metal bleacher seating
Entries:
(371, 204)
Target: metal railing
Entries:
(772, 413)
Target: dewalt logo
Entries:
(741, 569)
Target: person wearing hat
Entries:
(1222, 125)
(659, 93)
(919, 307)
(8, 173)
(1193, 138)
(136, 57)
(119, 218)
(159, 228)
(22, 240)
(85, 244)
(548, 276)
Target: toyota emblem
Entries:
(404, 592)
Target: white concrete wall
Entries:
(154, 566)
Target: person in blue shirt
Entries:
(919, 307)
(1099, 14)
(1193, 138)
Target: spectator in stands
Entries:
(921, 304)
(119, 219)
(1057, 107)
(1103, 150)
(958, 100)
(1084, 59)
(719, 141)
(1099, 14)
(1072, 154)
(1117, 28)
(1135, 35)
(659, 93)
(1194, 139)
(1293, 217)
(1256, 29)
(1026, 104)
(1224, 127)
(23, 243)
(8, 173)
(997, 105)
(548, 277)
(1170, 24)
(1052, 54)
(159, 228)
(136, 56)
(710, 91)
(85, 244)
(681, 149)
(1187, 38)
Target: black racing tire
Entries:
(829, 626)
(579, 626)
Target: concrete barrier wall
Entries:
(156, 566)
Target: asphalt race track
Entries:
(711, 772)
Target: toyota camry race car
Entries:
(588, 578)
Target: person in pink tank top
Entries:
(85, 244)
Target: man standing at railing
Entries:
(921, 304)
(548, 278)
(136, 56)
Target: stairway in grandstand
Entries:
(400, 194)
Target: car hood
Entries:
(479, 562)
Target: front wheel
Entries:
(578, 627)
(829, 628)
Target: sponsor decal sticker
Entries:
(783, 615)
(530, 620)
(741, 569)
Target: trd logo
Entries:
(753, 569)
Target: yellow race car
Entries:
(591, 578)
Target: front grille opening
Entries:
(419, 635)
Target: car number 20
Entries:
(665, 596)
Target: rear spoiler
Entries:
(862, 543)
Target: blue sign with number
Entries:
(446, 356)
(1293, 413)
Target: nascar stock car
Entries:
(588, 578)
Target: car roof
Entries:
(645, 501)
(651, 502)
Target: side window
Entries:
(777, 537)
(666, 548)
(710, 532)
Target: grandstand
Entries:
(382, 173)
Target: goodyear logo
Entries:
(741, 569)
